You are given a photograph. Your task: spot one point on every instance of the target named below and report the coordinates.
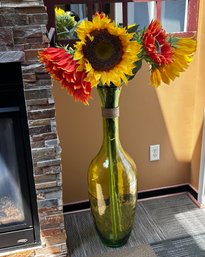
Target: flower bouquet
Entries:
(107, 56)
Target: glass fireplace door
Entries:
(14, 195)
(11, 202)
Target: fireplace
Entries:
(22, 34)
(19, 223)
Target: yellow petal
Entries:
(155, 78)
(164, 76)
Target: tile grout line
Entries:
(76, 223)
(152, 221)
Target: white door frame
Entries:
(201, 190)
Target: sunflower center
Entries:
(104, 51)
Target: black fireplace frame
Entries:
(12, 105)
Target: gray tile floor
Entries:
(157, 220)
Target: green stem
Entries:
(113, 199)
(110, 99)
(114, 192)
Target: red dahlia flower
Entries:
(60, 64)
(156, 45)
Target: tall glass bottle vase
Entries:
(112, 178)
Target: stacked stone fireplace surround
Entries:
(23, 28)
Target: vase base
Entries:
(114, 243)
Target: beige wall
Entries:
(170, 116)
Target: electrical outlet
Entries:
(154, 152)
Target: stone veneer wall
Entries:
(23, 27)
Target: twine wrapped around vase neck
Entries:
(111, 113)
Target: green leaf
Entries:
(132, 28)
(138, 65)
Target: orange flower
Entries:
(183, 50)
(60, 64)
(156, 45)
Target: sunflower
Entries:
(183, 49)
(65, 22)
(105, 51)
(60, 64)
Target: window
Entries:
(141, 13)
(176, 16)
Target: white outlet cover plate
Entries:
(154, 152)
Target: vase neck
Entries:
(109, 96)
(110, 111)
(111, 131)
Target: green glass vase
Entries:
(112, 177)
